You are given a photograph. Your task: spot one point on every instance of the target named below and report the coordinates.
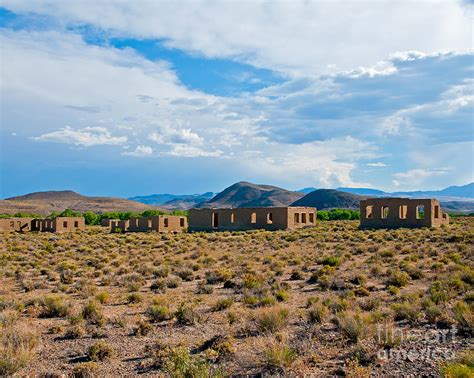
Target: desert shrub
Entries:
(53, 306)
(223, 304)
(464, 316)
(432, 313)
(281, 295)
(317, 313)
(358, 279)
(17, 348)
(369, 304)
(461, 367)
(142, 328)
(179, 362)
(93, 313)
(270, 320)
(387, 337)
(277, 356)
(75, 331)
(216, 276)
(158, 286)
(186, 315)
(311, 301)
(398, 279)
(457, 370)
(297, 275)
(353, 325)
(172, 283)
(252, 281)
(406, 311)
(162, 272)
(387, 253)
(202, 288)
(100, 351)
(134, 298)
(103, 297)
(331, 261)
(185, 274)
(158, 313)
(85, 370)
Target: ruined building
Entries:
(159, 223)
(15, 224)
(268, 218)
(58, 224)
(401, 212)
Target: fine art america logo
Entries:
(431, 345)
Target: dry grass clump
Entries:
(270, 320)
(17, 347)
(277, 356)
(100, 351)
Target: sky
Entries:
(124, 98)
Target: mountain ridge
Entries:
(44, 203)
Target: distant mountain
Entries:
(45, 203)
(246, 194)
(325, 199)
(154, 199)
(363, 191)
(458, 206)
(306, 190)
(170, 199)
(187, 202)
(464, 191)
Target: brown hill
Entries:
(45, 203)
(325, 199)
(246, 194)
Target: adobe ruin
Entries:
(240, 219)
(159, 223)
(58, 224)
(15, 224)
(401, 212)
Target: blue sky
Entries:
(126, 98)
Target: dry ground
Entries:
(329, 300)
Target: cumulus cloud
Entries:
(140, 151)
(297, 37)
(169, 135)
(416, 177)
(88, 136)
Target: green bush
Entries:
(100, 351)
(53, 306)
(158, 313)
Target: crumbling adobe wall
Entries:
(65, 224)
(158, 223)
(16, 224)
(401, 212)
(268, 218)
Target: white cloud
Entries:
(328, 163)
(297, 37)
(377, 164)
(171, 135)
(416, 177)
(140, 151)
(88, 136)
(183, 150)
